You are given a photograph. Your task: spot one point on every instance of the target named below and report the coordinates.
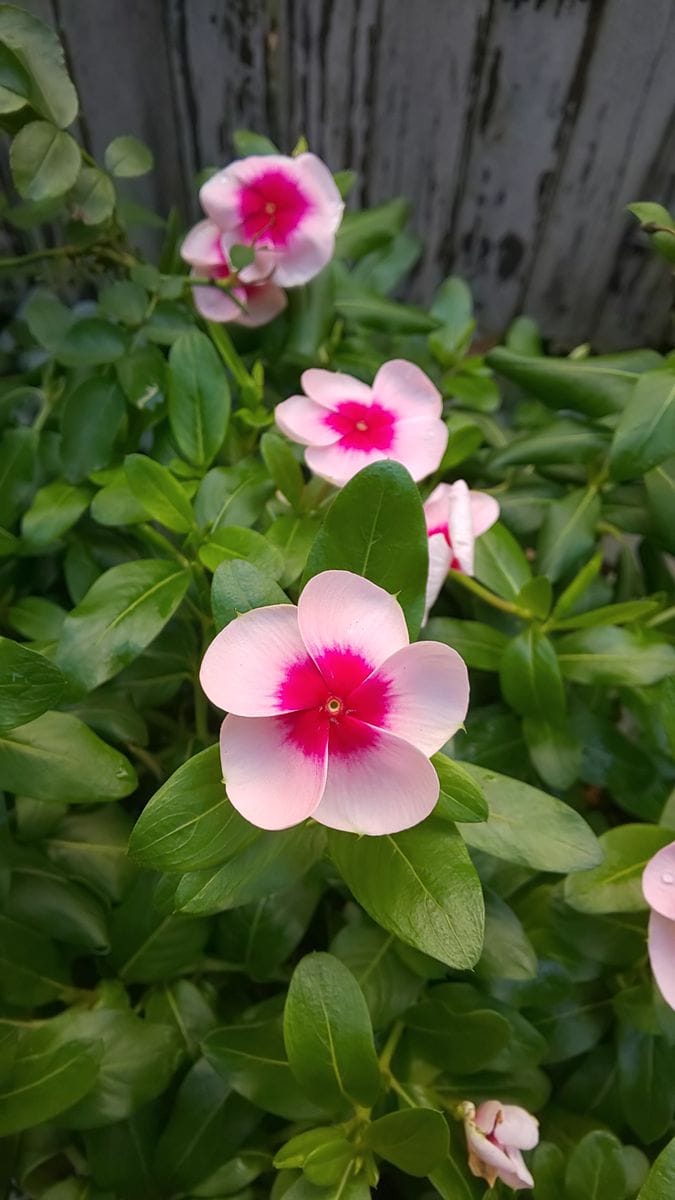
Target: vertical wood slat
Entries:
(518, 129)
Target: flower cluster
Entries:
(285, 212)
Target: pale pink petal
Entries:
(426, 694)
(338, 464)
(484, 512)
(274, 776)
(419, 445)
(488, 1161)
(436, 508)
(658, 882)
(308, 251)
(331, 388)
(403, 388)
(217, 305)
(487, 1114)
(460, 526)
(517, 1128)
(317, 181)
(304, 421)
(381, 787)
(516, 1175)
(202, 246)
(219, 197)
(262, 304)
(261, 269)
(340, 612)
(440, 557)
(246, 668)
(662, 955)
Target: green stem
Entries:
(472, 585)
(162, 543)
(225, 347)
(390, 1045)
(400, 1091)
(662, 617)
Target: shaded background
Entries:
(518, 129)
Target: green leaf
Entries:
(420, 885)
(199, 398)
(328, 1035)
(527, 827)
(233, 495)
(47, 1077)
(45, 161)
(93, 197)
(147, 945)
(537, 596)
(246, 141)
(455, 1030)
(375, 528)
(91, 342)
(415, 1139)
(207, 1123)
(595, 1169)
(32, 969)
(120, 1156)
(480, 646)
(593, 386)
(616, 884)
(283, 467)
(37, 619)
(362, 232)
(57, 758)
(272, 862)
(124, 301)
(55, 509)
(461, 798)
(189, 824)
(29, 684)
(661, 1179)
(530, 676)
(507, 951)
(360, 307)
(241, 256)
(92, 847)
(660, 485)
(239, 586)
(500, 563)
(562, 441)
(611, 614)
(14, 82)
(122, 612)
(159, 492)
(233, 543)
(554, 750)
(387, 984)
(259, 937)
(127, 157)
(116, 504)
(614, 656)
(568, 532)
(17, 467)
(44, 898)
(293, 537)
(251, 1058)
(645, 1083)
(40, 53)
(645, 435)
(90, 422)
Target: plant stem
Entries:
(225, 347)
(390, 1045)
(660, 618)
(163, 543)
(472, 585)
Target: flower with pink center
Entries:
(332, 713)
(658, 886)
(345, 424)
(290, 207)
(259, 300)
(455, 517)
(496, 1134)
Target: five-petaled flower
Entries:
(332, 713)
(455, 517)
(289, 207)
(658, 886)
(496, 1134)
(346, 424)
(253, 300)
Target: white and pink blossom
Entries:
(289, 207)
(345, 424)
(496, 1134)
(455, 517)
(658, 886)
(253, 301)
(332, 713)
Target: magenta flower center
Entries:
(271, 207)
(337, 700)
(362, 426)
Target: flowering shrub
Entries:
(372, 936)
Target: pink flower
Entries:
(345, 424)
(262, 300)
(455, 518)
(495, 1135)
(289, 206)
(332, 714)
(658, 886)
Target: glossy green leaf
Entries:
(419, 885)
(45, 161)
(93, 197)
(555, 751)
(375, 528)
(32, 968)
(259, 937)
(328, 1035)
(461, 798)
(17, 469)
(251, 1057)
(645, 435)
(568, 533)
(660, 487)
(57, 758)
(561, 441)
(90, 422)
(124, 301)
(611, 655)
(660, 1182)
(451, 1028)
(29, 684)
(480, 646)
(595, 1169)
(40, 53)
(645, 1065)
(128, 157)
(232, 495)
(119, 616)
(387, 984)
(91, 342)
(530, 676)
(238, 586)
(55, 509)
(283, 467)
(594, 386)
(146, 944)
(47, 1077)
(199, 398)
(415, 1139)
(527, 827)
(362, 232)
(615, 885)
(500, 563)
(159, 492)
(233, 543)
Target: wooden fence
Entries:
(518, 129)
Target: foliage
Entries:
(221, 1011)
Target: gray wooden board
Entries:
(518, 129)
